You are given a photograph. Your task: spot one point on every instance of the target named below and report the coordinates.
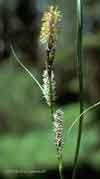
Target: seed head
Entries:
(50, 20)
(46, 87)
(58, 129)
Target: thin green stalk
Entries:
(51, 101)
(83, 113)
(60, 167)
(26, 69)
(80, 76)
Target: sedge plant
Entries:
(48, 37)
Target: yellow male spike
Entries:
(50, 20)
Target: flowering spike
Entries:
(46, 87)
(58, 129)
(50, 20)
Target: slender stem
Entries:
(60, 167)
(51, 100)
(26, 69)
(49, 67)
(52, 117)
(83, 113)
(80, 76)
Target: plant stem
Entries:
(49, 67)
(84, 113)
(51, 105)
(26, 69)
(60, 167)
(52, 117)
(80, 76)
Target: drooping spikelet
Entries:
(58, 129)
(50, 20)
(46, 87)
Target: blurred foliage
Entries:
(30, 138)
